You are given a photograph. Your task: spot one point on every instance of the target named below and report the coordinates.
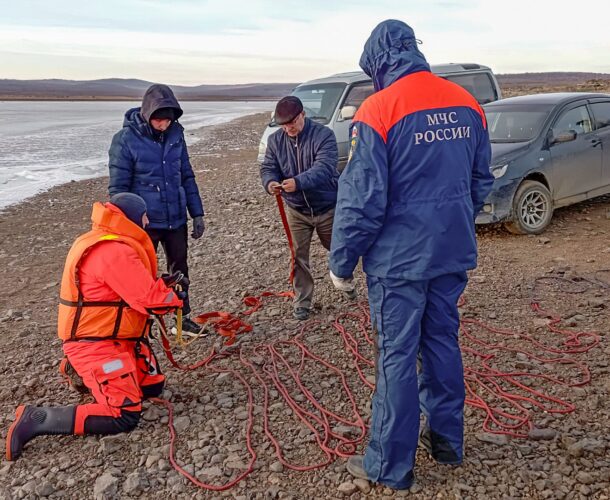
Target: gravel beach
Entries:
(243, 252)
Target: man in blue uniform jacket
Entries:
(407, 201)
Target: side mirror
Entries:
(347, 113)
(566, 136)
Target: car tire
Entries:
(532, 209)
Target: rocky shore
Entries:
(244, 252)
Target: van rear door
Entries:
(480, 85)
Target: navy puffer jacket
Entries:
(155, 166)
(311, 159)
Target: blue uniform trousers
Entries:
(415, 318)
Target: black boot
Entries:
(438, 447)
(32, 421)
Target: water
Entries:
(46, 143)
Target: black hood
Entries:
(390, 53)
(156, 97)
(507, 151)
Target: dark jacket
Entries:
(155, 166)
(311, 159)
(418, 171)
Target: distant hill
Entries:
(550, 78)
(123, 89)
(535, 83)
(133, 89)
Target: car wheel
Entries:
(532, 209)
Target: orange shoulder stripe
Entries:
(426, 92)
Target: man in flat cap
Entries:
(148, 157)
(301, 164)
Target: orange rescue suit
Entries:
(109, 286)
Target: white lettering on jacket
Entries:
(442, 134)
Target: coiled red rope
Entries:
(503, 396)
(487, 385)
(277, 367)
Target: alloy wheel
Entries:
(534, 209)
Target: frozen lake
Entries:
(46, 143)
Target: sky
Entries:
(192, 42)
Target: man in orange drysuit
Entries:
(109, 289)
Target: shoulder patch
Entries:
(353, 142)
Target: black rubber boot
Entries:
(438, 447)
(32, 421)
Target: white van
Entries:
(334, 100)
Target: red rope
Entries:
(249, 424)
(504, 396)
(481, 378)
(280, 206)
(319, 419)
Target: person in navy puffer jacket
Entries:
(418, 175)
(301, 164)
(149, 157)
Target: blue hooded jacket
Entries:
(153, 165)
(418, 171)
(311, 159)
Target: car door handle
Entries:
(595, 142)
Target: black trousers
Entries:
(175, 245)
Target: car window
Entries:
(479, 85)
(319, 101)
(601, 112)
(515, 123)
(357, 94)
(575, 119)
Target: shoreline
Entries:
(135, 98)
(195, 135)
(243, 252)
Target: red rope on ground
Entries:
(320, 420)
(487, 387)
(250, 423)
(502, 395)
(482, 378)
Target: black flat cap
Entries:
(287, 109)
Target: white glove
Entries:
(343, 284)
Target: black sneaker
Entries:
(189, 326)
(301, 313)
